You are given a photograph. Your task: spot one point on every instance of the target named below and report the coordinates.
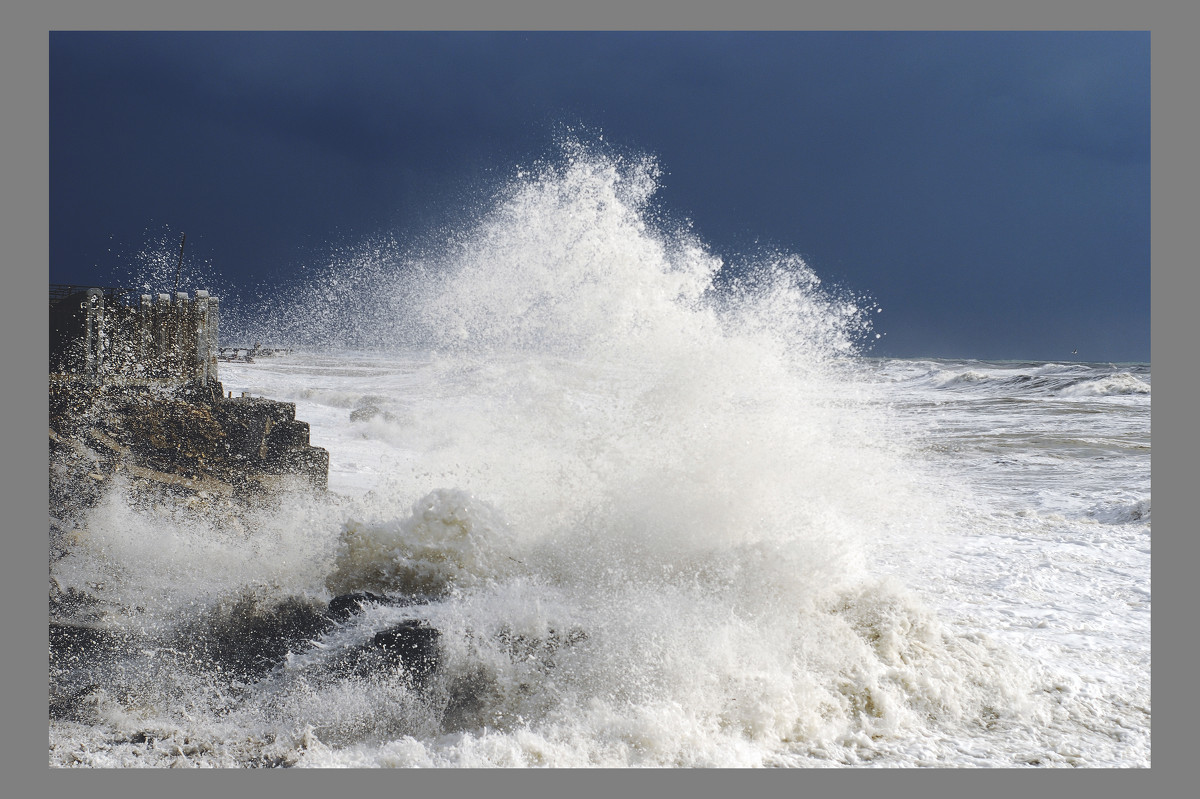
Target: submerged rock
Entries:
(368, 412)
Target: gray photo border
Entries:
(25, 216)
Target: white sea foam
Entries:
(154, 567)
(1122, 513)
(450, 541)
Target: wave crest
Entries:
(1121, 383)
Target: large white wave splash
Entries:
(629, 443)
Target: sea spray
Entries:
(155, 566)
(166, 261)
(639, 497)
(451, 540)
(671, 456)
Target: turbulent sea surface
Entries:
(660, 516)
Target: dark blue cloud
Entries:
(991, 190)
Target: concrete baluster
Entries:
(214, 324)
(145, 319)
(162, 318)
(201, 335)
(179, 350)
(94, 332)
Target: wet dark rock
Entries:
(250, 639)
(344, 606)
(410, 646)
(82, 660)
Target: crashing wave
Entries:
(1121, 383)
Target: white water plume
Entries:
(641, 492)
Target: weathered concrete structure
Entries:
(154, 340)
(134, 393)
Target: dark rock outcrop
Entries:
(134, 389)
(344, 606)
(244, 641)
(251, 638)
(411, 647)
(190, 440)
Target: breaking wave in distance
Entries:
(1107, 386)
(1081, 381)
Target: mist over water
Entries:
(641, 495)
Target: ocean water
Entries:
(663, 509)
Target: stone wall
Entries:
(108, 334)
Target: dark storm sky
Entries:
(991, 191)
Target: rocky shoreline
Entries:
(137, 414)
(190, 441)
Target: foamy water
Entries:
(660, 516)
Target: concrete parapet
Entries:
(104, 334)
